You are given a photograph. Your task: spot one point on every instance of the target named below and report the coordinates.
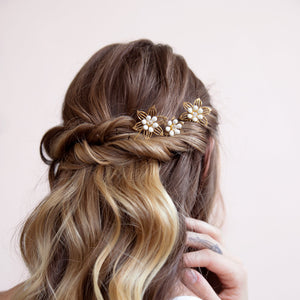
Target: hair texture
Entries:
(112, 225)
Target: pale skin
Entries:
(213, 256)
(7, 295)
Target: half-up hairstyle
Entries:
(112, 225)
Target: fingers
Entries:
(203, 227)
(202, 241)
(228, 271)
(196, 283)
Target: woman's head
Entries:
(113, 222)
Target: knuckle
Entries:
(218, 234)
(187, 259)
(215, 232)
(207, 256)
(241, 274)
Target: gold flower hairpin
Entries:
(150, 123)
(195, 112)
(173, 127)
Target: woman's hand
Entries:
(213, 256)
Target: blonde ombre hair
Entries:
(112, 225)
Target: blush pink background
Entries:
(247, 52)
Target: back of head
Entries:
(112, 226)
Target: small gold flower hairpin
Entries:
(173, 127)
(195, 112)
(149, 122)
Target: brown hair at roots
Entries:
(112, 225)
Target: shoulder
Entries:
(7, 295)
(186, 298)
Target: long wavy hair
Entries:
(112, 225)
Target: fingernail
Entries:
(217, 249)
(191, 276)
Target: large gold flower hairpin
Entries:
(195, 112)
(150, 123)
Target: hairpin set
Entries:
(151, 123)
